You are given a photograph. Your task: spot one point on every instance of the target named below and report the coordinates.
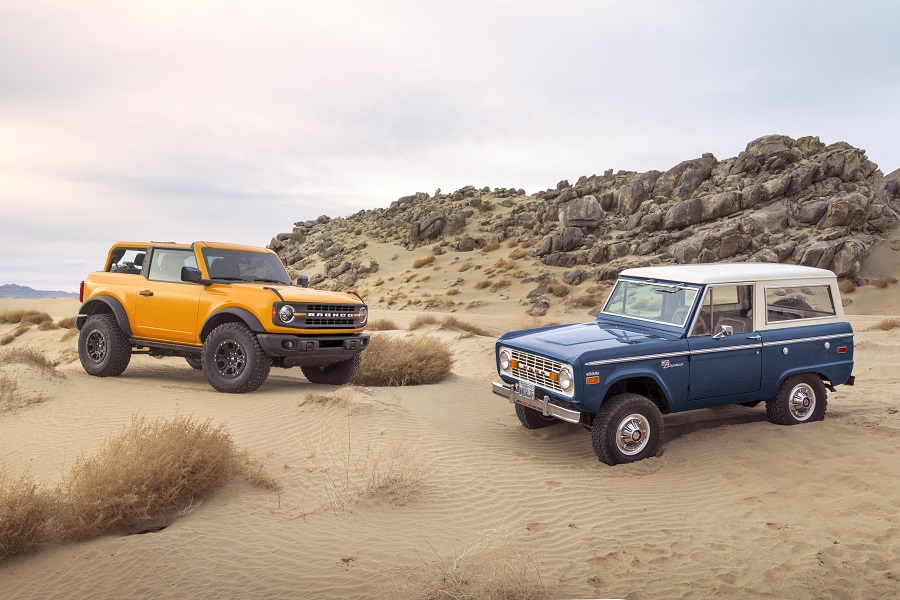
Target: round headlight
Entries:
(565, 378)
(286, 313)
(363, 315)
(504, 360)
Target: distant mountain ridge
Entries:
(11, 290)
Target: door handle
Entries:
(756, 337)
(146, 293)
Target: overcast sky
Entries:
(229, 121)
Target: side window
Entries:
(127, 260)
(795, 303)
(724, 305)
(166, 264)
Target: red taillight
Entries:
(81, 292)
(842, 349)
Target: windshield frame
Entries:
(670, 287)
(264, 258)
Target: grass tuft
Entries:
(26, 514)
(846, 286)
(29, 317)
(66, 323)
(390, 361)
(423, 262)
(150, 470)
(888, 324)
(448, 321)
(31, 357)
(382, 325)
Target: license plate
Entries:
(525, 389)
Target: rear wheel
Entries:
(532, 419)
(103, 347)
(801, 399)
(628, 428)
(196, 362)
(233, 360)
(334, 374)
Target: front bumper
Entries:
(310, 349)
(542, 405)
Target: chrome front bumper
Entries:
(542, 405)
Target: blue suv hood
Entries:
(597, 340)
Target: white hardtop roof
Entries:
(728, 272)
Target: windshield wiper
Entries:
(227, 278)
(264, 280)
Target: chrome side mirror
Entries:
(723, 330)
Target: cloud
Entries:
(230, 121)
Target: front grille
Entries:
(536, 370)
(326, 322)
(332, 308)
(321, 316)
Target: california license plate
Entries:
(525, 389)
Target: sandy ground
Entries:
(733, 506)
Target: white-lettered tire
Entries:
(800, 399)
(233, 360)
(334, 374)
(103, 347)
(628, 428)
(532, 419)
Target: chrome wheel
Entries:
(632, 434)
(230, 359)
(802, 401)
(96, 346)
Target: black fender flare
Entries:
(235, 314)
(93, 307)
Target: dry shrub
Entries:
(378, 282)
(382, 325)
(26, 514)
(423, 262)
(11, 398)
(490, 247)
(69, 334)
(500, 283)
(66, 323)
(150, 470)
(511, 243)
(505, 265)
(484, 284)
(29, 317)
(448, 321)
(47, 326)
(883, 282)
(423, 320)
(888, 324)
(6, 339)
(22, 328)
(559, 290)
(588, 301)
(354, 467)
(483, 570)
(465, 267)
(846, 286)
(255, 472)
(452, 291)
(32, 357)
(518, 253)
(392, 361)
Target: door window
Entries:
(167, 262)
(724, 305)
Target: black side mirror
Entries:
(191, 275)
(303, 280)
(139, 259)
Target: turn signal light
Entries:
(592, 380)
(554, 376)
(513, 364)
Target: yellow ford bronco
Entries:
(229, 310)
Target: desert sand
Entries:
(733, 506)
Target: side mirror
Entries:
(303, 280)
(191, 275)
(723, 330)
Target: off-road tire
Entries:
(628, 428)
(532, 419)
(195, 361)
(103, 347)
(800, 399)
(233, 360)
(334, 374)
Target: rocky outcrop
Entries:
(779, 200)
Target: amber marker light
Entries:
(513, 364)
(554, 376)
(592, 380)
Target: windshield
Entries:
(242, 265)
(669, 304)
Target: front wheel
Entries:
(195, 361)
(233, 360)
(801, 399)
(103, 347)
(628, 428)
(334, 374)
(532, 419)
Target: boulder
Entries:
(582, 212)
(683, 179)
(684, 213)
(847, 260)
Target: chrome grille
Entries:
(536, 370)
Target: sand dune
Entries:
(733, 506)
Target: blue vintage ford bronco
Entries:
(677, 338)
